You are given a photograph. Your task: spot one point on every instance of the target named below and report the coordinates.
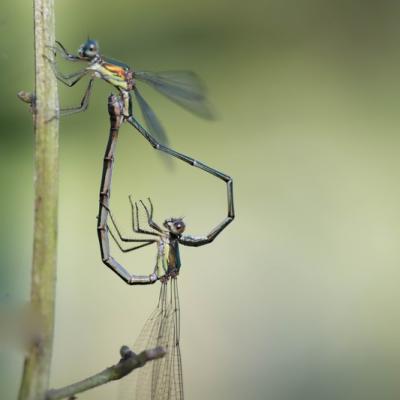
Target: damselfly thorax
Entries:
(169, 261)
(119, 77)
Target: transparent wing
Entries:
(175, 376)
(183, 87)
(151, 120)
(147, 339)
(160, 382)
(161, 379)
(168, 380)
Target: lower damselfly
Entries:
(163, 380)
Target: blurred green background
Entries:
(298, 298)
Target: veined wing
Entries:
(175, 375)
(146, 339)
(161, 379)
(183, 87)
(167, 382)
(151, 120)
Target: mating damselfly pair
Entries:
(163, 379)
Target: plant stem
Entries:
(127, 364)
(35, 380)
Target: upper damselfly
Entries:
(183, 87)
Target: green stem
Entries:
(35, 380)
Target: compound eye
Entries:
(180, 226)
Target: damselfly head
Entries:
(175, 225)
(89, 50)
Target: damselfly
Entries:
(163, 380)
(182, 87)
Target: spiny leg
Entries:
(147, 243)
(136, 227)
(122, 238)
(68, 79)
(160, 253)
(138, 222)
(194, 240)
(65, 53)
(150, 215)
(84, 102)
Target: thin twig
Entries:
(36, 373)
(127, 364)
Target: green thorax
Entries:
(117, 74)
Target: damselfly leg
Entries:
(84, 102)
(136, 228)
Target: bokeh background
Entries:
(298, 298)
